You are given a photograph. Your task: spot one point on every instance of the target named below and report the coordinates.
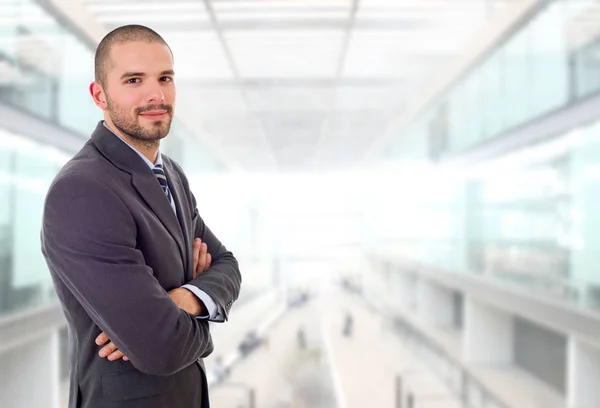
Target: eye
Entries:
(166, 79)
(133, 80)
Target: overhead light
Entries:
(265, 5)
(137, 7)
(155, 18)
(271, 15)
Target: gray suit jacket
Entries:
(114, 248)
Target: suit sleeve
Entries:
(89, 241)
(222, 281)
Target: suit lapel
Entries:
(183, 214)
(142, 179)
(150, 190)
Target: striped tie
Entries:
(162, 179)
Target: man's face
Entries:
(140, 89)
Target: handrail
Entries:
(420, 342)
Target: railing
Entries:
(453, 373)
(471, 392)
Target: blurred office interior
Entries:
(409, 187)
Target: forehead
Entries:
(140, 56)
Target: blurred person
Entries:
(250, 342)
(137, 271)
(348, 325)
(301, 338)
(220, 371)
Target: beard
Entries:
(131, 126)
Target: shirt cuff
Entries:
(209, 303)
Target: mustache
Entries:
(167, 108)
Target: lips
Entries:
(154, 114)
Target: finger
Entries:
(208, 260)
(101, 339)
(125, 358)
(196, 251)
(197, 248)
(202, 259)
(107, 350)
(115, 355)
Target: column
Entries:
(435, 304)
(30, 373)
(583, 375)
(488, 334)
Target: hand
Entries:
(186, 300)
(110, 350)
(202, 258)
(183, 298)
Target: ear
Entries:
(98, 95)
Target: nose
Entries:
(155, 94)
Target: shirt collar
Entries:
(159, 160)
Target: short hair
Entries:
(121, 35)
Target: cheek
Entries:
(128, 101)
(170, 95)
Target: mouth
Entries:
(154, 114)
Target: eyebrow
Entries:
(142, 74)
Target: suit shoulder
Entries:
(88, 162)
(87, 166)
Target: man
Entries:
(137, 271)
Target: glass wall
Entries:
(528, 219)
(26, 170)
(521, 224)
(550, 61)
(537, 221)
(47, 68)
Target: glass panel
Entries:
(458, 119)
(39, 43)
(473, 119)
(491, 84)
(6, 210)
(26, 170)
(585, 185)
(44, 69)
(8, 27)
(516, 76)
(548, 60)
(520, 226)
(583, 39)
(76, 110)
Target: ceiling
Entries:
(300, 85)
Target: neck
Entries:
(148, 148)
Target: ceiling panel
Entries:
(370, 98)
(260, 6)
(285, 54)
(208, 60)
(346, 135)
(202, 98)
(300, 85)
(290, 98)
(237, 136)
(398, 55)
